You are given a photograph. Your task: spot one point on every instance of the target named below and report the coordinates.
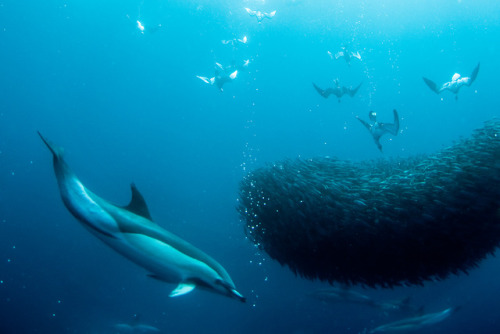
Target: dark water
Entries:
(127, 106)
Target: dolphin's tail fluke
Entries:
(473, 76)
(56, 150)
(432, 85)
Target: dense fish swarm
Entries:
(382, 223)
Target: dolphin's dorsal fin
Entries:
(137, 204)
(182, 289)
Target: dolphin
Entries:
(415, 323)
(345, 295)
(131, 232)
(457, 81)
(139, 328)
(377, 129)
(134, 326)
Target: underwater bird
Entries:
(379, 223)
(338, 90)
(377, 129)
(131, 232)
(235, 41)
(260, 15)
(348, 55)
(416, 323)
(220, 78)
(457, 82)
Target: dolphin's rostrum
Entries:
(131, 232)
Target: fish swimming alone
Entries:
(131, 232)
(457, 82)
(382, 223)
(415, 323)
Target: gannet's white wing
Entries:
(251, 12)
(207, 80)
(270, 15)
(140, 26)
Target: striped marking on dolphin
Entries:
(131, 232)
(416, 323)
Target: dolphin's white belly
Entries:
(164, 261)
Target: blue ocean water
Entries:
(127, 107)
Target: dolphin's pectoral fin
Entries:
(137, 204)
(182, 289)
(156, 277)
